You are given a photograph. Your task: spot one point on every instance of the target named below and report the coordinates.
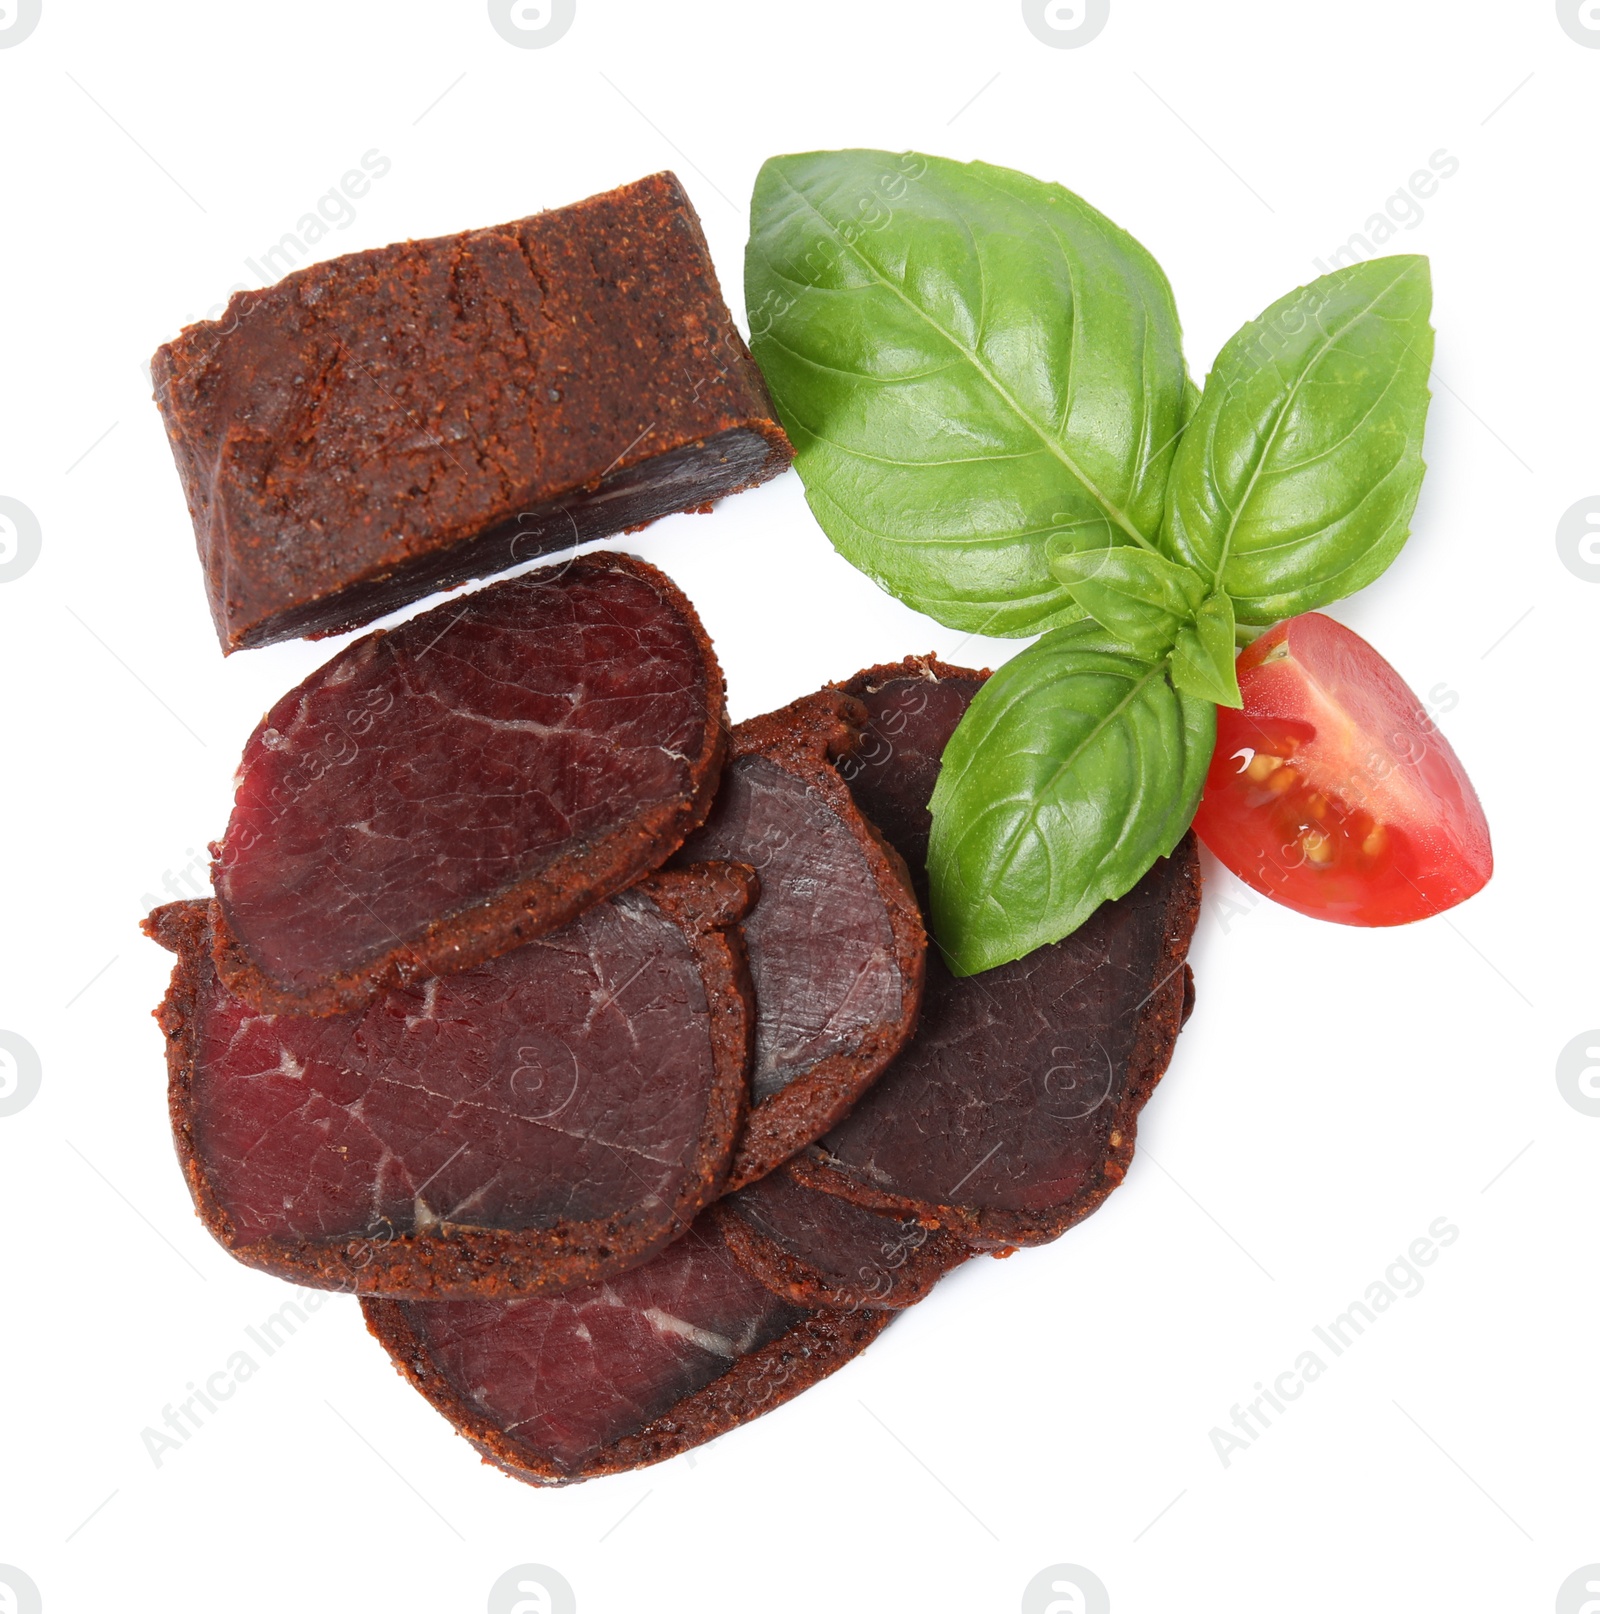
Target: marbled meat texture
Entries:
(549, 1118)
(814, 1248)
(397, 421)
(441, 793)
(836, 942)
(1011, 1115)
(617, 1375)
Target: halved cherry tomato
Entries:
(1332, 792)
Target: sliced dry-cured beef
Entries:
(438, 794)
(617, 1375)
(836, 942)
(552, 1117)
(818, 1249)
(397, 421)
(1011, 1115)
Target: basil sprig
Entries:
(984, 381)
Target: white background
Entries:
(1336, 1091)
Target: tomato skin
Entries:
(1332, 792)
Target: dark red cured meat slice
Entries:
(550, 1118)
(815, 1249)
(392, 422)
(618, 1375)
(436, 795)
(836, 942)
(1011, 1115)
(912, 710)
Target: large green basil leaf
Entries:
(978, 371)
(1295, 481)
(1077, 765)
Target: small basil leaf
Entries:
(1295, 482)
(1140, 599)
(1203, 655)
(977, 369)
(1077, 765)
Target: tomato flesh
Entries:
(1332, 792)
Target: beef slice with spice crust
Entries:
(1011, 1114)
(547, 1119)
(836, 942)
(614, 1376)
(439, 794)
(817, 1248)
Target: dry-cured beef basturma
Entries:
(836, 942)
(394, 422)
(435, 795)
(1011, 1115)
(549, 1118)
(616, 1375)
(818, 1249)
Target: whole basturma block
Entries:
(1011, 1114)
(438, 794)
(836, 943)
(398, 421)
(550, 1118)
(615, 1376)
